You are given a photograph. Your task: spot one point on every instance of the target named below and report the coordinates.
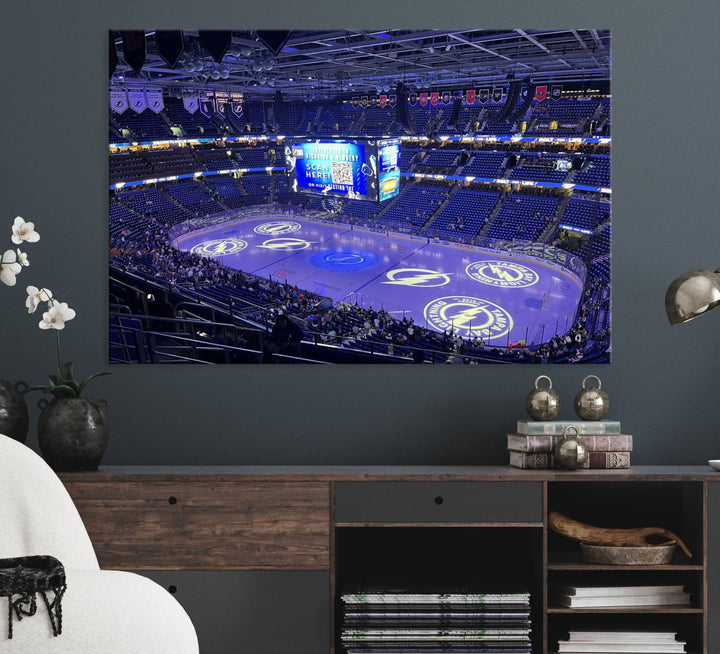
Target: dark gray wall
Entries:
(662, 382)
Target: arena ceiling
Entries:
(330, 62)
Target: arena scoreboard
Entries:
(357, 169)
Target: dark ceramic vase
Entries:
(13, 410)
(72, 433)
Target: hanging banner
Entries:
(382, 101)
(206, 106)
(497, 94)
(355, 102)
(191, 104)
(446, 97)
(393, 100)
(221, 100)
(373, 101)
(413, 98)
(484, 95)
(556, 92)
(470, 96)
(118, 101)
(423, 99)
(137, 99)
(363, 101)
(236, 106)
(155, 100)
(541, 93)
(434, 97)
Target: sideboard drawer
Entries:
(443, 501)
(194, 525)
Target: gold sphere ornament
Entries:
(591, 403)
(570, 453)
(543, 403)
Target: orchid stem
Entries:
(57, 333)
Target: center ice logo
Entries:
(417, 277)
(220, 247)
(277, 227)
(342, 259)
(291, 244)
(505, 274)
(468, 317)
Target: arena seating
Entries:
(414, 206)
(596, 171)
(522, 217)
(146, 126)
(192, 125)
(486, 164)
(464, 215)
(539, 168)
(586, 214)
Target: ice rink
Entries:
(477, 292)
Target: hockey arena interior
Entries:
(347, 196)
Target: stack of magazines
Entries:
(385, 621)
(625, 642)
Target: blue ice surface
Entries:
(491, 294)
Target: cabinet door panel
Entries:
(245, 525)
(254, 611)
(442, 501)
(713, 571)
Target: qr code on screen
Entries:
(342, 172)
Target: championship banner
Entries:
(392, 100)
(413, 98)
(154, 99)
(484, 95)
(446, 97)
(221, 99)
(556, 92)
(137, 99)
(206, 106)
(118, 101)
(191, 104)
(470, 96)
(382, 101)
(355, 102)
(373, 101)
(364, 101)
(423, 99)
(236, 106)
(497, 94)
(541, 93)
(434, 97)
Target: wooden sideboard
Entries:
(259, 555)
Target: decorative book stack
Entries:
(626, 642)
(531, 446)
(402, 622)
(585, 597)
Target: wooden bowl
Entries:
(617, 555)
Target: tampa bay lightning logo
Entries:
(468, 316)
(277, 227)
(219, 247)
(417, 277)
(504, 274)
(286, 244)
(344, 259)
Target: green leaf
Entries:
(65, 371)
(45, 389)
(53, 380)
(63, 391)
(87, 380)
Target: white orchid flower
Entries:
(22, 231)
(56, 317)
(36, 296)
(22, 258)
(9, 267)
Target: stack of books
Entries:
(531, 446)
(402, 622)
(647, 642)
(584, 597)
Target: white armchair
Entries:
(104, 612)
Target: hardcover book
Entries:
(555, 427)
(593, 442)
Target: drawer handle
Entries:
(172, 500)
(439, 500)
(172, 589)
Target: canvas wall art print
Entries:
(360, 196)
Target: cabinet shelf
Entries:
(573, 561)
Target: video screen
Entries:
(389, 168)
(345, 168)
